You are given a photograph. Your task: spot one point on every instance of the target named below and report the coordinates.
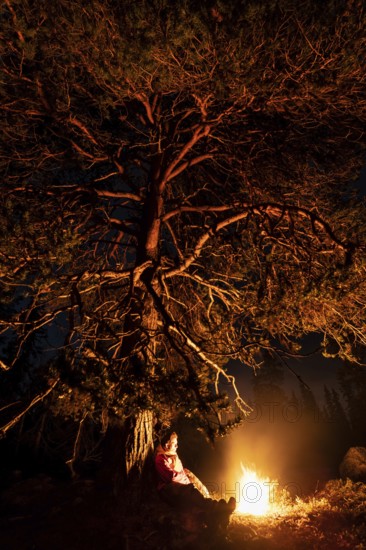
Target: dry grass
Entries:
(334, 518)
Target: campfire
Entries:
(257, 494)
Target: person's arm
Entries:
(197, 483)
(167, 473)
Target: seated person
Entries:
(182, 489)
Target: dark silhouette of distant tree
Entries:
(338, 437)
(177, 192)
(352, 382)
(267, 382)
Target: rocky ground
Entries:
(41, 513)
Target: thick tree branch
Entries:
(198, 209)
(189, 342)
(37, 399)
(76, 122)
(201, 242)
(188, 164)
(3, 366)
(199, 133)
(15, 21)
(148, 108)
(173, 327)
(117, 195)
(282, 211)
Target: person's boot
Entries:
(221, 514)
(228, 509)
(231, 504)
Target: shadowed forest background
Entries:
(291, 435)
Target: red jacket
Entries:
(169, 468)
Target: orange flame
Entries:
(256, 494)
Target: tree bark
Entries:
(138, 443)
(127, 449)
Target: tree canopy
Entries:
(177, 192)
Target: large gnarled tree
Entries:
(177, 192)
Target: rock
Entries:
(353, 465)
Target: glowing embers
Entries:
(257, 495)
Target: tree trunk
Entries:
(127, 448)
(139, 429)
(128, 443)
(138, 442)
